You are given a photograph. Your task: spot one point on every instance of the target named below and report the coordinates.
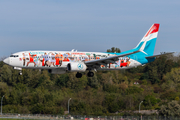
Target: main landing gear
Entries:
(89, 74)
(78, 75)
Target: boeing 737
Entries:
(59, 62)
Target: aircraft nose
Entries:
(6, 60)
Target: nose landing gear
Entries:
(20, 72)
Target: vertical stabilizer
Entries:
(147, 44)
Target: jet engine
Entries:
(56, 71)
(76, 67)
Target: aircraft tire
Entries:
(78, 75)
(90, 74)
(20, 73)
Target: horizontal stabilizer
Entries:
(159, 55)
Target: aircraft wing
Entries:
(107, 60)
(159, 55)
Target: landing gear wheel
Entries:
(20, 73)
(90, 74)
(78, 75)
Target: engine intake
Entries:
(76, 67)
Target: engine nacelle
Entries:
(76, 67)
(56, 71)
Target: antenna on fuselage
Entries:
(72, 50)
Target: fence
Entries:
(80, 117)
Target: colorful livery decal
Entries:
(57, 59)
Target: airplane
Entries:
(60, 62)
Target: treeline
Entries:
(157, 84)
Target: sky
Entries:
(86, 25)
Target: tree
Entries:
(93, 81)
(114, 50)
(62, 80)
(171, 109)
(150, 73)
(174, 75)
(150, 100)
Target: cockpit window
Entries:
(14, 55)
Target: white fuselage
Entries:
(60, 59)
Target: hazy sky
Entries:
(86, 25)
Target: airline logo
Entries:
(80, 66)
